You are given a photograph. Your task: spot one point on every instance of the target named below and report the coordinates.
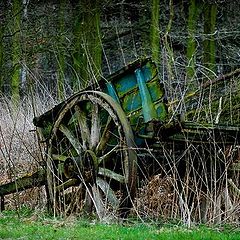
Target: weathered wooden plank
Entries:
(36, 179)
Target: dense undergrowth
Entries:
(158, 196)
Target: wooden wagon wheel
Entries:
(92, 147)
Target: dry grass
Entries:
(19, 148)
(157, 199)
(195, 191)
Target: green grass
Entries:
(40, 227)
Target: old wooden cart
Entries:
(96, 140)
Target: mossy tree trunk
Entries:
(191, 43)
(145, 36)
(155, 31)
(61, 59)
(16, 50)
(168, 50)
(87, 54)
(209, 55)
(1, 54)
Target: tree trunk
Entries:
(191, 44)
(209, 56)
(61, 59)
(168, 50)
(16, 50)
(87, 54)
(155, 32)
(1, 54)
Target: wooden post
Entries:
(2, 206)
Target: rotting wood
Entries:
(36, 179)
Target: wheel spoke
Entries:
(105, 135)
(95, 129)
(58, 157)
(82, 122)
(65, 185)
(88, 201)
(111, 174)
(109, 193)
(98, 201)
(72, 139)
(109, 154)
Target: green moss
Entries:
(87, 55)
(16, 51)
(209, 53)
(155, 32)
(191, 44)
(61, 59)
(1, 57)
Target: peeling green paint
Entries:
(130, 96)
(148, 109)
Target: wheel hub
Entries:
(84, 167)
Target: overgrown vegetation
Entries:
(190, 42)
(196, 198)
